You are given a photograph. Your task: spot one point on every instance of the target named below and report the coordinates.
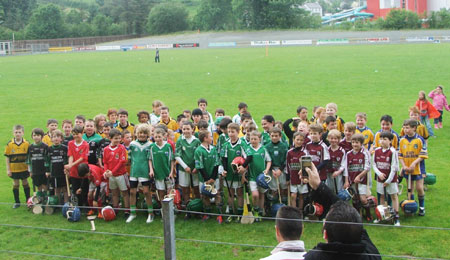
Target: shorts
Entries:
(273, 185)
(134, 182)
(255, 187)
(120, 182)
(392, 188)
(299, 188)
(362, 188)
(20, 175)
(58, 182)
(92, 187)
(237, 184)
(413, 177)
(184, 179)
(216, 185)
(39, 180)
(163, 184)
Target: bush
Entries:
(440, 19)
(402, 19)
(167, 18)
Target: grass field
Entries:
(375, 79)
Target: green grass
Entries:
(375, 79)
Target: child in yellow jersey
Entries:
(386, 122)
(52, 125)
(361, 128)
(16, 168)
(414, 113)
(331, 110)
(413, 152)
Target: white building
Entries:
(436, 5)
(315, 8)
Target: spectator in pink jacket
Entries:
(439, 102)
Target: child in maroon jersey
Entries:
(337, 157)
(385, 165)
(318, 151)
(293, 167)
(349, 131)
(357, 167)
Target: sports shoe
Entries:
(16, 205)
(397, 223)
(91, 212)
(376, 221)
(126, 215)
(440, 124)
(219, 219)
(436, 126)
(421, 211)
(229, 219)
(131, 218)
(99, 215)
(237, 220)
(150, 218)
(205, 218)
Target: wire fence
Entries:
(181, 239)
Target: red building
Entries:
(380, 8)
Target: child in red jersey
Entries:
(114, 161)
(318, 151)
(357, 167)
(97, 185)
(293, 167)
(349, 131)
(337, 157)
(78, 152)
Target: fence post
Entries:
(169, 229)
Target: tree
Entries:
(101, 25)
(133, 12)
(74, 17)
(46, 23)
(214, 15)
(167, 18)
(16, 13)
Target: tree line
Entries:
(47, 19)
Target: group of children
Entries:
(109, 156)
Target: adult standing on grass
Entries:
(439, 102)
(157, 56)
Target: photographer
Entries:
(343, 241)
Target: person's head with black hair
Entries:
(83, 169)
(343, 233)
(288, 225)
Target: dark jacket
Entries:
(336, 250)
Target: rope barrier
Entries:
(318, 221)
(195, 241)
(42, 254)
(81, 207)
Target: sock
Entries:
(389, 201)
(133, 209)
(397, 216)
(219, 208)
(26, 189)
(207, 210)
(422, 201)
(240, 211)
(256, 209)
(378, 196)
(150, 208)
(412, 196)
(16, 195)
